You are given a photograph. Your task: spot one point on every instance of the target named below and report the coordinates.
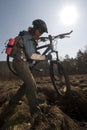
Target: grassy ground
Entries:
(68, 113)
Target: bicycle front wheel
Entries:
(59, 78)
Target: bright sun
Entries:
(68, 15)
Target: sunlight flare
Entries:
(68, 15)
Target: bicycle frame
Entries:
(49, 47)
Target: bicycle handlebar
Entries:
(54, 37)
(63, 35)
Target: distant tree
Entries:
(81, 60)
(78, 64)
(70, 64)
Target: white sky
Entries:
(17, 15)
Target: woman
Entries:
(26, 51)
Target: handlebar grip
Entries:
(71, 31)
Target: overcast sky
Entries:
(17, 15)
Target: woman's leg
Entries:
(30, 85)
(17, 97)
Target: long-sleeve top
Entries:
(27, 47)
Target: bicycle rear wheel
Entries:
(10, 65)
(59, 78)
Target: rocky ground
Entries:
(60, 113)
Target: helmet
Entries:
(40, 24)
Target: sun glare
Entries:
(68, 15)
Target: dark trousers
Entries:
(29, 86)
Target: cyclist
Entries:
(26, 52)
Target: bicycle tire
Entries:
(59, 78)
(10, 65)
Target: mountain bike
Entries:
(58, 74)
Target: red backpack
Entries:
(11, 46)
(11, 50)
